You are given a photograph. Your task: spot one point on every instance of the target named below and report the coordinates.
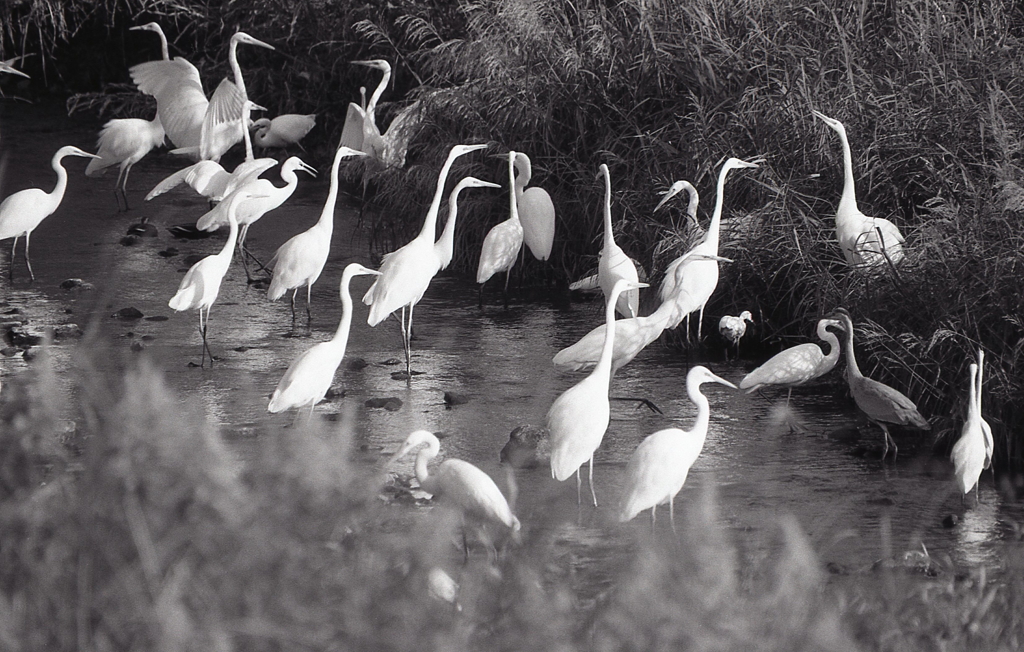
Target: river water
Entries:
(498, 360)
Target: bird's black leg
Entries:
(641, 401)
(14, 247)
(28, 261)
(309, 295)
(293, 305)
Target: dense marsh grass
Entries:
(140, 530)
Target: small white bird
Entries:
(579, 417)
(310, 376)
(658, 467)
(502, 243)
(459, 483)
(124, 142)
(613, 263)
(301, 259)
(201, 284)
(536, 211)
(865, 241)
(798, 364)
(732, 329)
(283, 131)
(972, 453)
(21, 212)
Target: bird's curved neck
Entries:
(604, 363)
(973, 405)
(163, 44)
(716, 217)
(700, 427)
(341, 335)
(430, 221)
(523, 177)
(691, 208)
(849, 197)
(371, 106)
(229, 246)
(609, 238)
(445, 247)
(977, 386)
(245, 133)
(235, 68)
(326, 221)
(852, 370)
(513, 195)
(62, 178)
(830, 338)
(425, 455)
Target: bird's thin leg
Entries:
(504, 294)
(293, 304)
(408, 345)
(700, 323)
(654, 517)
(641, 401)
(888, 438)
(788, 394)
(202, 332)
(579, 485)
(28, 261)
(309, 297)
(14, 247)
(672, 513)
(124, 186)
(479, 294)
(311, 408)
(592, 493)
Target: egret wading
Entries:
(866, 242)
(360, 130)
(613, 263)
(310, 375)
(972, 453)
(300, 261)
(880, 403)
(579, 417)
(21, 212)
(658, 467)
(692, 278)
(536, 211)
(732, 329)
(124, 142)
(458, 483)
(502, 243)
(798, 364)
(283, 131)
(201, 284)
(407, 271)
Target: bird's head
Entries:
(71, 150)
(603, 172)
(148, 27)
(473, 182)
(747, 316)
(624, 285)
(677, 188)
(413, 441)
(379, 64)
(735, 164)
(262, 123)
(352, 270)
(459, 150)
(831, 122)
(242, 37)
(843, 317)
(296, 163)
(346, 152)
(8, 68)
(699, 375)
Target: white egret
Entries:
(502, 243)
(282, 131)
(155, 27)
(691, 280)
(265, 198)
(613, 263)
(798, 364)
(205, 128)
(732, 329)
(301, 259)
(579, 417)
(865, 241)
(658, 467)
(124, 141)
(360, 130)
(536, 211)
(972, 453)
(879, 402)
(201, 284)
(210, 179)
(459, 483)
(21, 212)
(407, 271)
(310, 375)
(694, 236)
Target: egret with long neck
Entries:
(502, 243)
(798, 364)
(536, 211)
(613, 263)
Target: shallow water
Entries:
(499, 360)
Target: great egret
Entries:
(21, 212)
(361, 132)
(124, 141)
(972, 453)
(204, 128)
(536, 211)
(732, 329)
(310, 375)
(578, 418)
(502, 243)
(879, 402)
(282, 131)
(857, 233)
(691, 280)
(155, 27)
(658, 467)
(407, 271)
(301, 259)
(201, 284)
(613, 263)
(210, 179)
(797, 364)
(265, 198)
(694, 236)
(457, 482)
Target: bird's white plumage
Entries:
(264, 197)
(797, 364)
(734, 328)
(361, 132)
(284, 130)
(632, 336)
(613, 263)
(972, 452)
(124, 141)
(502, 243)
(536, 211)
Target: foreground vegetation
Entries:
(929, 92)
(137, 530)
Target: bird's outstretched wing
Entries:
(225, 114)
(400, 132)
(352, 132)
(180, 100)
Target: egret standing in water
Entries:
(579, 417)
(879, 402)
(21, 212)
(124, 142)
(972, 453)
(301, 259)
(201, 284)
(459, 483)
(866, 241)
(502, 243)
(658, 467)
(613, 263)
(309, 377)
(536, 211)
(732, 329)
(283, 131)
(407, 271)
(798, 364)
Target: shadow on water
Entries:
(498, 361)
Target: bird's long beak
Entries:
(723, 381)
(664, 200)
(308, 168)
(486, 184)
(256, 107)
(260, 43)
